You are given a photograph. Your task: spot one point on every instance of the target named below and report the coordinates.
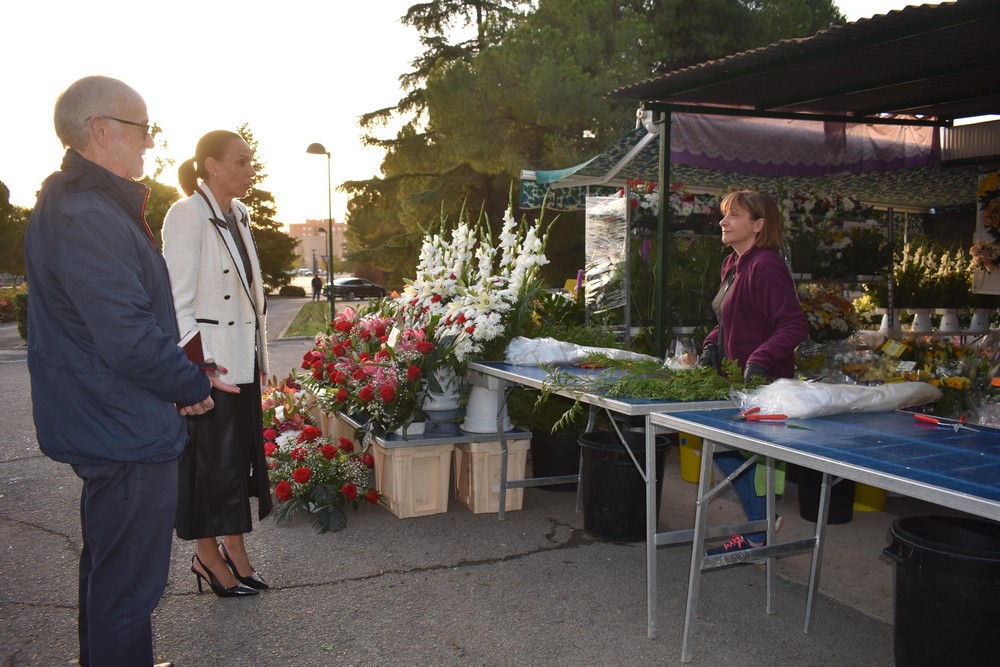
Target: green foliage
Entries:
(161, 198)
(275, 248)
(292, 290)
(13, 222)
(532, 409)
(326, 515)
(693, 279)
(8, 302)
(21, 311)
(313, 318)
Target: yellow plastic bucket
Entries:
(868, 498)
(690, 449)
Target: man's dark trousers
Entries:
(127, 517)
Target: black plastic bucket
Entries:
(841, 509)
(614, 495)
(554, 455)
(947, 587)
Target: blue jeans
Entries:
(754, 506)
(127, 517)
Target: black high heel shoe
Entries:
(253, 581)
(239, 590)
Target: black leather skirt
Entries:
(222, 467)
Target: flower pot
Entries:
(921, 320)
(980, 320)
(885, 326)
(443, 389)
(949, 319)
(443, 422)
(481, 411)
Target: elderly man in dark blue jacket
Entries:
(107, 375)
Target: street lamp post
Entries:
(319, 149)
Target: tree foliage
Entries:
(13, 222)
(524, 87)
(161, 198)
(275, 248)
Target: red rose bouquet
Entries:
(307, 470)
(367, 365)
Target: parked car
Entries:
(351, 289)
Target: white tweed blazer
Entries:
(210, 288)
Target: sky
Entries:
(300, 74)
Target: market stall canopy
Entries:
(924, 65)
(936, 61)
(879, 164)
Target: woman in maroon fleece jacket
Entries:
(760, 323)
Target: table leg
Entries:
(501, 398)
(817, 560)
(697, 548)
(771, 568)
(651, 469)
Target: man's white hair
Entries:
(85, 98)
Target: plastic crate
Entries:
(413, 481)
(477, 474)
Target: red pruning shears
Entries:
(753, 415)
(955, 426)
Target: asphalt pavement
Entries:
(454, 588)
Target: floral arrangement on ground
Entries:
(309, 471)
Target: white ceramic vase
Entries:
(884, 326)
(921, 320)
(949, 319)
(980, 320)
(481, 411)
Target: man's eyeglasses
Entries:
(145, 127)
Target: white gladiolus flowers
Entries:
(473, 286)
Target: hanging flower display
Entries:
(985, 256)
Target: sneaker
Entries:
(742, 542)
(735, 543)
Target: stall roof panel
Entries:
(928, 60)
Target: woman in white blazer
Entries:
(217, 287)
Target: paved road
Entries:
(451, 589)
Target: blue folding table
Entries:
(959, 469)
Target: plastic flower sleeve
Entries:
(799, 399)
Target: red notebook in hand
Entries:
(191, 344)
